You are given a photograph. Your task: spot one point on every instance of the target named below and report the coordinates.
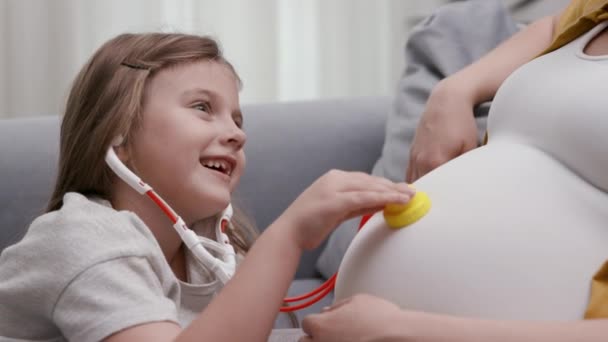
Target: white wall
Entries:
(282, 49)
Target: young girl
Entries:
(105, 263)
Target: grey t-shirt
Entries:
(87, 271)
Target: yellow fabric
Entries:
(598, 301)
(579, 17)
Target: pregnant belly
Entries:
(511, 234)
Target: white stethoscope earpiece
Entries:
(224, 265)
(118, 141)
(124, 173)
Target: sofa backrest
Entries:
(289, 145)
(28, 164)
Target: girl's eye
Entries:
(203, 106)
(238, 122)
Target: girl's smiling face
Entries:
(189, 146)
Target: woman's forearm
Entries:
(424, 327)
(481, 80)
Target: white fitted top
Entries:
(561, 108)
(518, 227)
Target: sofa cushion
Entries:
(28, 150)
(289, 145)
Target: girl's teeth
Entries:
(220, 165)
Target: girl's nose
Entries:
(235, 136)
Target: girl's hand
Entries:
(446, 130)
(335, 197)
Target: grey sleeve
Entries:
(112, 296)
(454, 36)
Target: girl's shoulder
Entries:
(80, 252)
(90, 227)
(83, 233)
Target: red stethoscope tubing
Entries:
(321, 291)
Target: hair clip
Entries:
(135, 66)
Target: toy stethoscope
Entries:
(224, 265)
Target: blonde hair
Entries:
(106, 101)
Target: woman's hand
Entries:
(359, 318)
(446, 130)
(335, 197)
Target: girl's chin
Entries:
(208, 196)
(213, 203)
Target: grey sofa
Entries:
(289, 145)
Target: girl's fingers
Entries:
(357, 202)
(363, 181)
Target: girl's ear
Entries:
(121, 149)
(122, 152)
